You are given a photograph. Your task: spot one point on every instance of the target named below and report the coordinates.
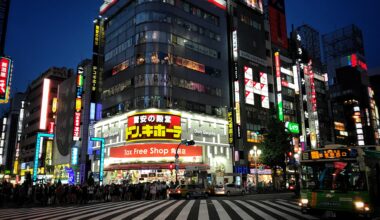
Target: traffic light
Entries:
(171, 166)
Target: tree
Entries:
(275, 146)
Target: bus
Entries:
(334, 180)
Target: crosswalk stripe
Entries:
(282, 214)
(238, 210)
(291, 205)
(289, 210)
(169, 210)
(203, 211)
(185, 211)
(292, 202)
(150, 211)
(75, 212)
(256, 210)
(220, 210)
(58, 209)
(101, 211)
(124, 209)
(125, 215)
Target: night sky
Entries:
(45, 33)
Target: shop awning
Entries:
(372, 154)
(156, 166)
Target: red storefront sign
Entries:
(4, 74)
(154, 150)
(153, 126)
(76, 132)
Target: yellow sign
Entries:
(230, 128)
(49, 152)
(153, 126)
(54, 105)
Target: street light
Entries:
(255, 153)
(183, 142)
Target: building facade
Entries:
(39, 118)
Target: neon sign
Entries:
(37, 155)
(44, 104)
(330, 154)
(153, 126)
(219, 3)
(78, 104)
(354, 61)
(279, 87)
(5, 77)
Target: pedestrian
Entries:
(153, 190)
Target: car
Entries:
(189, 191)
(229, 189)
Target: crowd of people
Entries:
(60, 194)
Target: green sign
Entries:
(292, 127)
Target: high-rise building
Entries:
(339, 43)
(352, 100)
(39, 118)
(4, 12)
(13, 132)
(161, 75)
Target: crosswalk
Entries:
(166, 209)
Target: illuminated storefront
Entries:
(140, 146)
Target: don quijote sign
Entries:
(153, 126)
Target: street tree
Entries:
(274, 148)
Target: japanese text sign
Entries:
(153, 126)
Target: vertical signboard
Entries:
(279, 87)
(78, 104)
(5, 78)
(45, 104)
(38, 152)
(248, 81)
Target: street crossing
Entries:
(166, 209)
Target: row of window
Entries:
(189, 8)
(161, 37)
(171, 19)
(161, 80)
(249, 21)
(165, 58)
(163, 102)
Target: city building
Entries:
(39, 121)
(352, 98)
(312, 88)
(251, 80)
(72, 109)
(165, 68)
(13, 123)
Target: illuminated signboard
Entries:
(230, 128)
(74, 156)
(354, 61)
(219, 3)
(154, 150)
(254, 4)
(92, 111)
(38, 151)
(5, 78)
(234, 45)
(330, 154)
(249, 86)
(120, 67)
(106, 5)
(292, 127)
(49, 152)
(264, 90)
(54, 105)
(296, 81)
(101, 162)
(78, 104)
(51, 127)
(279, 88)
(44, 104)
(153, 126)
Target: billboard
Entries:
(78, 104)
(154, 150)
(5, 78)
(44, 104)
(219, 3)
(277, 23)
(153, 126)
